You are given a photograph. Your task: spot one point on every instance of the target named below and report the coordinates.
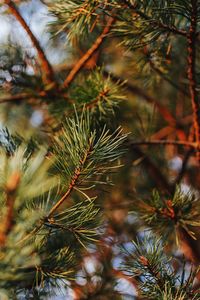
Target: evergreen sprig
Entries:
(166, 215)
(79, 222)
(83, 154)
(154, 272)
(75, 17)
(148, 22)
(97, 93)
(30, 203)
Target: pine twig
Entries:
(47, 70)
(191, 75)
(65, 196)
(73, 182)
(154, 273)
(82, 61)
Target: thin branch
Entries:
(191, 74)
(31, 96)
(73, 182)
(22, 97)
(47, 71)
(17, 97)
(65, 196)
(82, 61)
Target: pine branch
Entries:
(192, 74)
(82, 61)
(155, 273)
(84, 152)
(149, 266)
(47, 71)
(157, 23)
(176, 215)
(80, 221)
(97, 93)
(73, 182)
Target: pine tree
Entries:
(88, 208)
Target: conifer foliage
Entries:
(100, 150)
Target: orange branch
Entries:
(48, 74)
(65, 196)
(82, 61)
(191, 75)
(7, 221)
